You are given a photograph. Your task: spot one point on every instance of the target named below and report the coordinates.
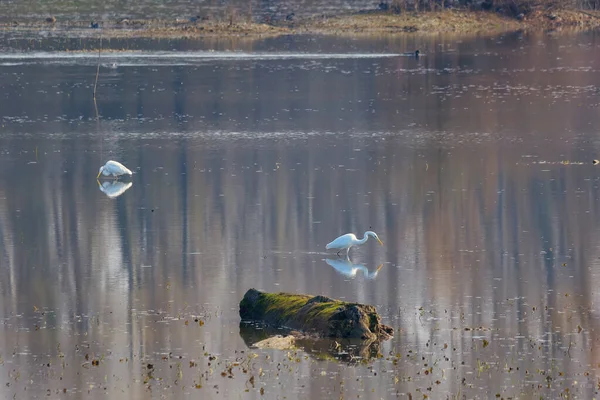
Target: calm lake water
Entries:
(473, 163)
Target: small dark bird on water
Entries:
(94, 25)
(51, 20)
(290, 17)
(415, 53)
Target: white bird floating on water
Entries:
(348, 240)
(113, 168)
(347, 268)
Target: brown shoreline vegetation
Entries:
(459, 21)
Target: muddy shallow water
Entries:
(473, 163)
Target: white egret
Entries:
(113, 168)
(348, 240)
(347, 268)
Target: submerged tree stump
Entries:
(318, 315)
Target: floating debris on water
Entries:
(562, 162)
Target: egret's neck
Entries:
(364, 239)
(364, 269)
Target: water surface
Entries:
(472, 163)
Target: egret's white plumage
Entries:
(349, 239)
(113, 168)
(347, 268)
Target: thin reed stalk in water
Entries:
(98, 67)
(95, 103)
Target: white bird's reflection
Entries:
(347, 268)
(114, 189)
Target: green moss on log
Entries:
(318, 315)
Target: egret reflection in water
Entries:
(114, 189)
(347, 268)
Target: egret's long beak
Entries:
(380, 242)
(378, 268)
(98, 175)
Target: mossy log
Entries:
(317, 315)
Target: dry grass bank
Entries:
(434, 22)
(424, 22)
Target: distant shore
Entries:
(446, 21)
